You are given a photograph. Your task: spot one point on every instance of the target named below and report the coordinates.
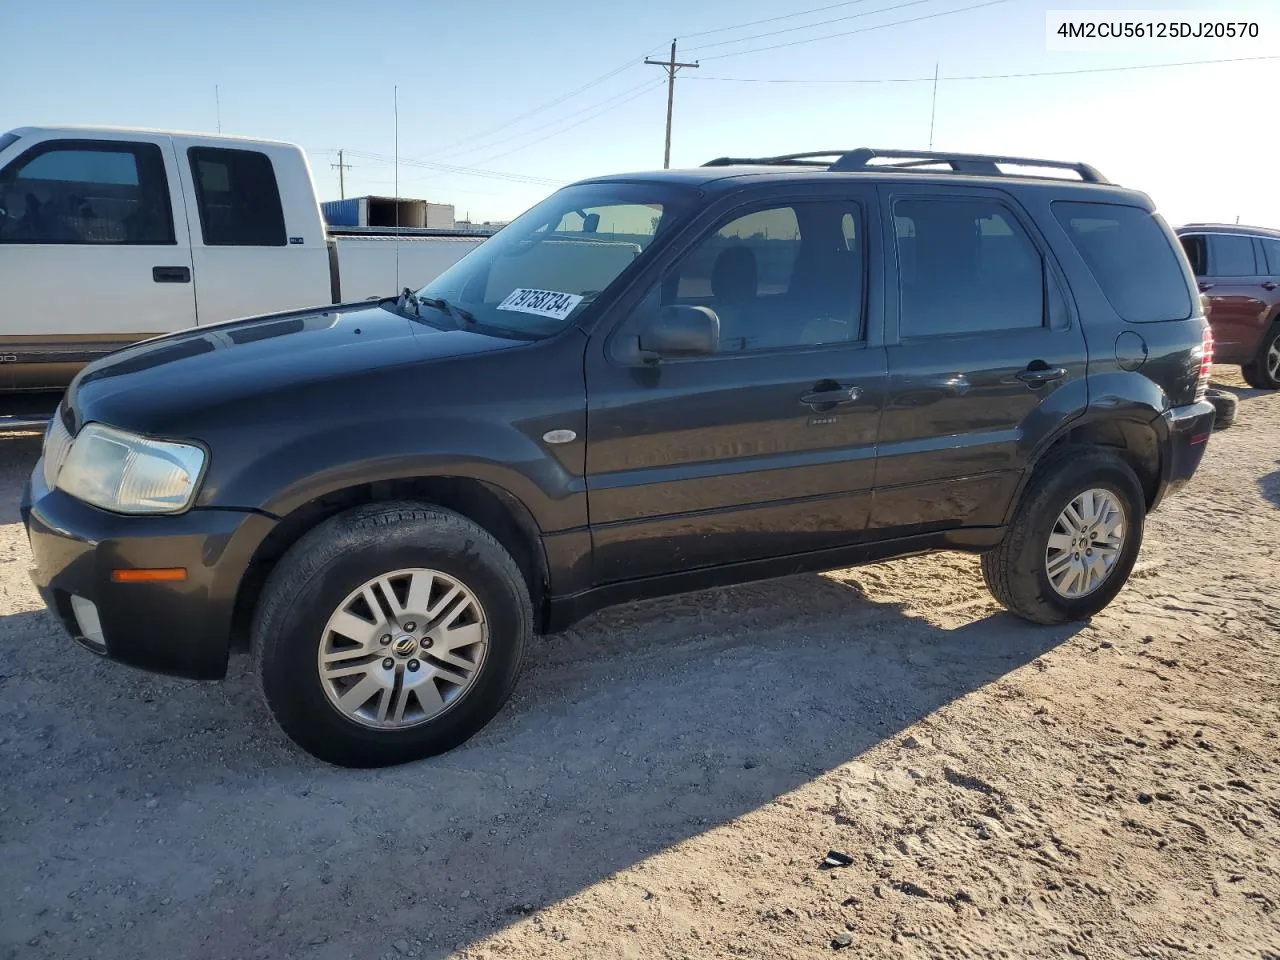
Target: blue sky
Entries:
(1201, 140)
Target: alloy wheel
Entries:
(1087, 540)
(402, 649)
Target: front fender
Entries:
(333, 458)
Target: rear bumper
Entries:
(1186, 431)
(179, 628)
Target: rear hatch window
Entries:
(1129, 252)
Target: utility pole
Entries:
(341, 167)
(671, 68)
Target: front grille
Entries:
(57, 443)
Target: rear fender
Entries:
(1125, 412)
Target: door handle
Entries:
(1039, 373)
(171, 274)
(824, 396)
(1205, 285)
(1268, 285)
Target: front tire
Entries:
(390, 633)
(1074, 538)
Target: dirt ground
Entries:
(671, 774)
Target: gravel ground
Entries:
(670, 775)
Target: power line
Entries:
(785, 16)
(520, 118)
(591, 106)
(461, 171)
(991, 76)
(553, 133)
(849, 33)
(810, 26)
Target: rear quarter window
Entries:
(1128, 251)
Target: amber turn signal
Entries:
(150, 575)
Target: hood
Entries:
(169, 380)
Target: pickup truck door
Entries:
(257, 241)
(94, 251)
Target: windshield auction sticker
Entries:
(545, 303)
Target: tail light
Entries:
(1206, 363)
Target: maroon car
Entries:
(1238, 269)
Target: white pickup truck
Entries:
(110, 236)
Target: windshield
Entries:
(536, 274)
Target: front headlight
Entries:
(126, 473)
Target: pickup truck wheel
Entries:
(1074, 538)
(1264, 372)
(390, 633)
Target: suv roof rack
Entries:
(860, 159)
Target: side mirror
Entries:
(680, 331)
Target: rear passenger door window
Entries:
(965, 267)
(1231, 256)
(87, 192)
(237, 198)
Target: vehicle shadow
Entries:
(173, 812)
(1241, 390)
(1270, 486)
(18, 454)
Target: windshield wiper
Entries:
(408, 297)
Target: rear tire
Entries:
(1251, 377)
(1263, 373)
(437, 690)
(1017, 571)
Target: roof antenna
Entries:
(933, 107)
(217, 99)
(395, 95)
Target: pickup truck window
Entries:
(237, 198)
(86, 192)
(536, 274)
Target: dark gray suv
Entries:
(646, 384)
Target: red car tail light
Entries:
(1206, 363)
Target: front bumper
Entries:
(1185, 435)
(181, 628)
